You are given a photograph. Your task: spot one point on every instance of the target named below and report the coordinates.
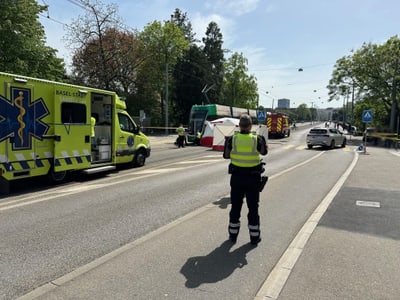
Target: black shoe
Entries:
(255, 241)
(233, 238)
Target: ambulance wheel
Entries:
(140, 159)
(56, 177)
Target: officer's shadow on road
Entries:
(223, 202)
(216, 266)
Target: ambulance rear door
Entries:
(72, 129)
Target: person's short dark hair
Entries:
(245, 121)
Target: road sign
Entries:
(367, 116)
(261, 115)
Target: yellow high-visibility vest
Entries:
(180, 131)
(244, 150)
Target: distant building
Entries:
(284, 103)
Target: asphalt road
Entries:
(47, 233)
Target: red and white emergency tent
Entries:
(223, 130)
(207, 138)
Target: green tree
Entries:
(109, 62)
(105, 55)
(370, 75)
(303, 113)
(189, 77)
(215, 55)
(239, 89)
(22, 42)
(182, 21)
(188, 73)
(164, 44)
(380, 114)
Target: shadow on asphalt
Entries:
(216, 266)
(223, 202)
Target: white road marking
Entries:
(289, 260)
(368, 204)
(69, 190)
(276, 280)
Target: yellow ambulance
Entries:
(50, 128)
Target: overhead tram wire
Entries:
(289, 68)
(54, 20)
(79, 4)
(89, 9)
(120, 24)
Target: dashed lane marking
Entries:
(73, 189)
(54, 284)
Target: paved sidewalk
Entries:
(354, 251)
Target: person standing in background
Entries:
(181, 136)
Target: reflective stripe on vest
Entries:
(244, 151)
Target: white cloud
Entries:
(237, 7)
(200, 24)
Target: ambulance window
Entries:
(125, 123)
(73, 113)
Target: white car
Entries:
(326, 137)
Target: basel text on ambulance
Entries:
(50, 128)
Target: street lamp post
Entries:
(166, 98)
(273, 100)
(312, 112)
(352, 110)
(344, 112)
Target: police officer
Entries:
(181, 136)
(244, 149)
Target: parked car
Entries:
(325, 137)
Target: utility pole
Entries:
(166, 96)
(393, 113)
(344, 114)
(352, 109)
(312, 112)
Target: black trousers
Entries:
(245, 186)
(181, 140)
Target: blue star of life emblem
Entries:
(21, 118)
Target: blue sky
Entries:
(276, 36)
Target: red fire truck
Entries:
(278, 125)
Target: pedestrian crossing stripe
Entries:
(288, 146)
